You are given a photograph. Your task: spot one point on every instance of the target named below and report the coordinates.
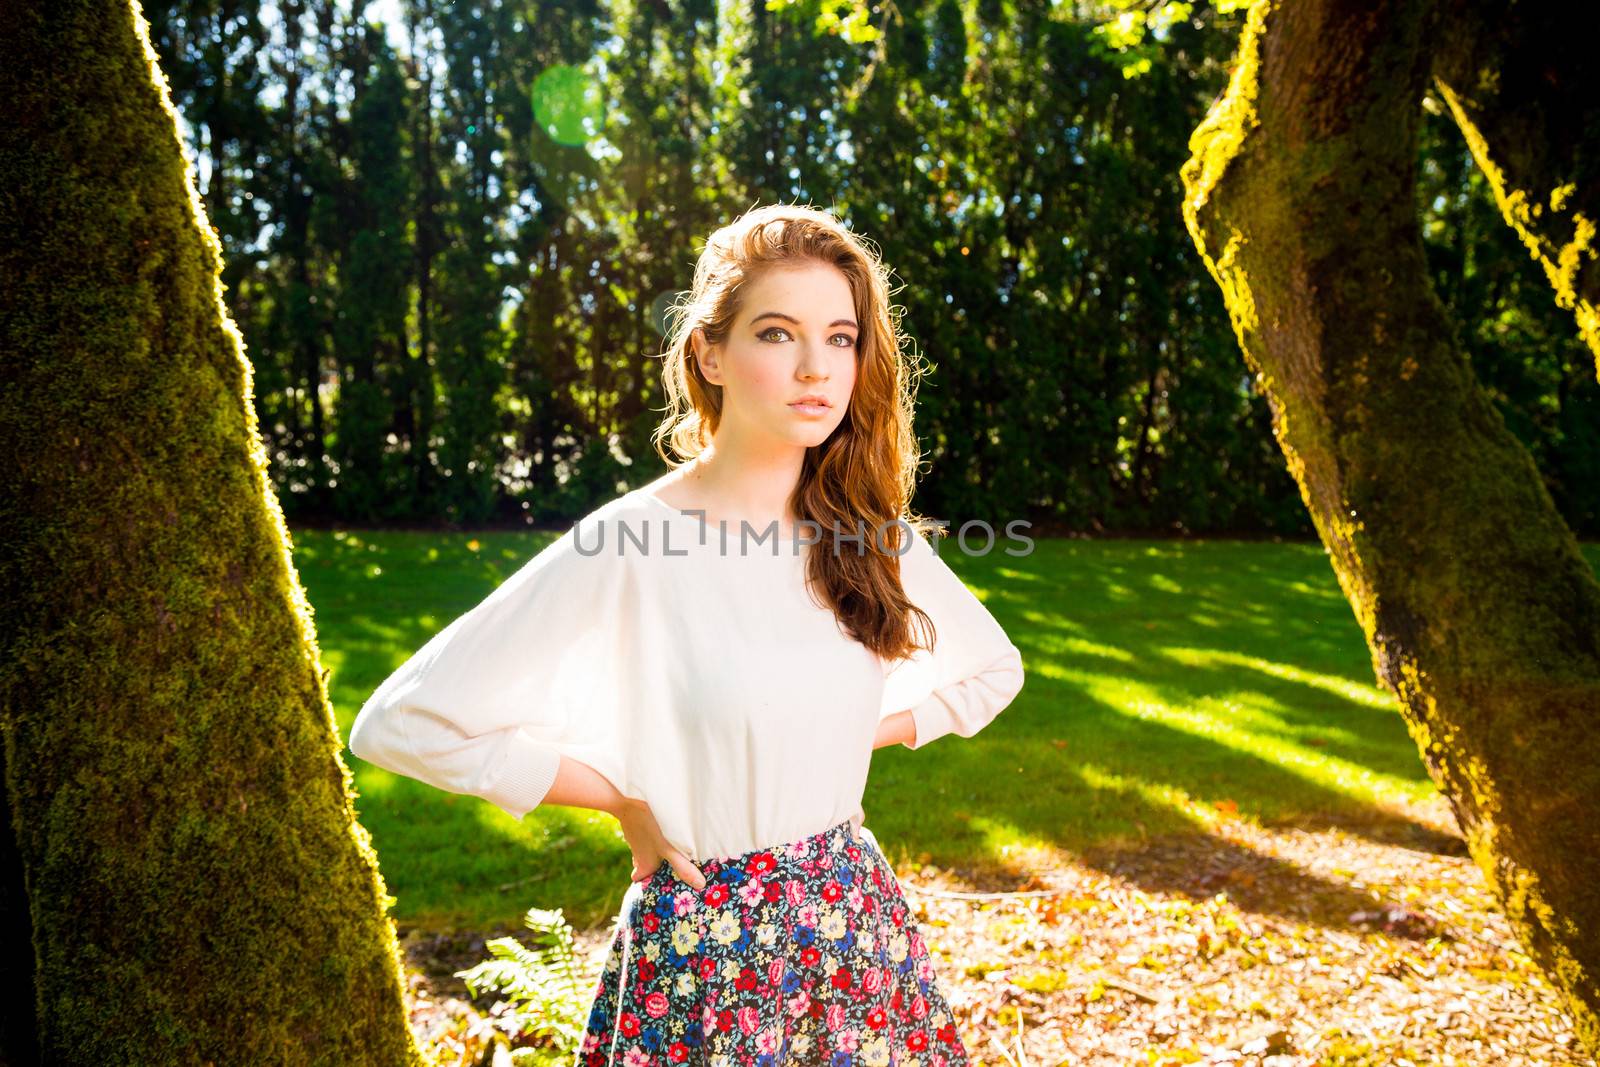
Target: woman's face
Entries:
(795, 337)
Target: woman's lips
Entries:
(810, 409)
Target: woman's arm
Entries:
(898, 728)
(534, 671)
(970, 675)
(578, 785)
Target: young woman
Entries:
(712, 658)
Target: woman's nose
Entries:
(813, 366)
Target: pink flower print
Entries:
(872, 979)
(799, 1003)
(919, 1007)
(775, 970)
(849, 1039)
(751, 892)
(749, 1019)
(835, 1016)
(795, 890)
(655, 1005)
(806, 915)
(636, 1057)
(767, 1041)
(683, 903)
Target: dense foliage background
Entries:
(451, 231)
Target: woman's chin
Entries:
(807, 434)
(817, 435)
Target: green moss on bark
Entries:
(1481, 614)
(195, 881)
(1521, 85)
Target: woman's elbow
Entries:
(1009, 674)
(375, 736)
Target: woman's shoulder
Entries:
(633, 506)
(612, 533)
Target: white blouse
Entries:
(699, 678)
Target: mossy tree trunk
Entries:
(1523, 85)
(181, 858)
(1482, 616)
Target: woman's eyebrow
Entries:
(790, 318)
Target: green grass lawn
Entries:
(1166, 681)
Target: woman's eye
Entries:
(765, 335)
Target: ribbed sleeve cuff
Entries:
(967, 706)
(528, 772)
(933, 719)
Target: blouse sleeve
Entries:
(488, 706)
(974, 670)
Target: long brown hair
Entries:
(858, 481)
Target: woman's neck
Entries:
(736, 488)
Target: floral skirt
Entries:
(803, 953)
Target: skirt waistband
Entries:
(837, 834)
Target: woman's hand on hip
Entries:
(649, 847)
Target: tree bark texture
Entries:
(1523, 83)
(181, 853)
(1481, 614)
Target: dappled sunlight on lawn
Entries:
(1006, 843)
(1078, 646)
(1149, 794)
(1259, 733)
(1355, 692)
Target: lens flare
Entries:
(568, 104)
